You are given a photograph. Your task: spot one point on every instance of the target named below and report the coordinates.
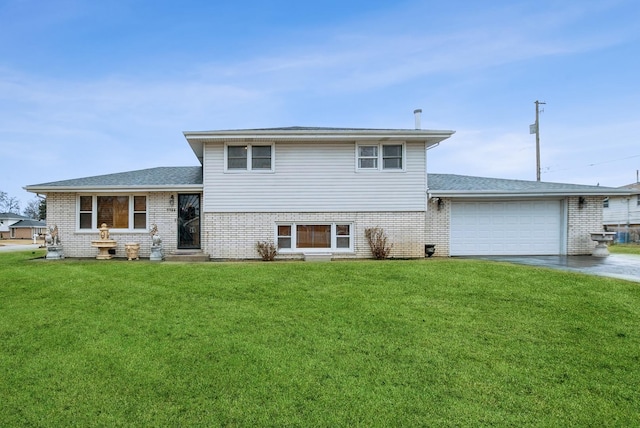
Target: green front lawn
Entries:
(431, 342)
(625, 249)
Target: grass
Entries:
(624, 249)
(437, 342)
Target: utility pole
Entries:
(535, 128)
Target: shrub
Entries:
(267, 250)
(378, 242)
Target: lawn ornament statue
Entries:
(52, 241)
(157, 252)
(52, 237)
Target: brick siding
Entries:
(234, 235)
(61, 211)
(581, 222)
(438, 223)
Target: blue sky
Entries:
(90, 87)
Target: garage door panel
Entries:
(506, 228)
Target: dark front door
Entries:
(188, 220)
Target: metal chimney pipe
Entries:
(417, 113)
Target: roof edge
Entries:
(484, 194)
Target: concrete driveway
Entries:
(18, 247)
(621, 266)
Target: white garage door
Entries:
(506, 228)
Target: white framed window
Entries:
(254, 157)
(380, 157)
(336, 237)
(118, 211)
(605, 203)
(367, 157)
(638, 198)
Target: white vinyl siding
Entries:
(315, 177)
(622, 210)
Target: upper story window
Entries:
(117, 211)
(638, 202)
(249, 157)
(605, 203)
(368, 157)
(386, 157)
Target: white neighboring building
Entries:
(622, 214)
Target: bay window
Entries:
(116, 211)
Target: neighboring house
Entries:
(6, 220)
(622, 213)
(25, 229)
(316, 190)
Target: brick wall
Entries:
(582, 221)
(61, 211)
(234, 235)
(438, 222)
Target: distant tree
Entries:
(9, 204)
(42, 209)
(35, 209)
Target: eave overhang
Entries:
(115, 189)
(197, 139)
(492, 194)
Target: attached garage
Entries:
(514, 227)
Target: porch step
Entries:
(187, 256)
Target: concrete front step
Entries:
(187, 256)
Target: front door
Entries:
(188, 221)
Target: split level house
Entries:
(316, 190)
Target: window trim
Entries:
(94, 213)
(334, 237)
(380, 157)
(249, 167)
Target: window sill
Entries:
(249, 171)
(113, 231)
(290, 251)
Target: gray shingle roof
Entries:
(464, 184)
(160, 176)
(28, 223)
(11, 216)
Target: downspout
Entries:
(417, 114)
(426, 173)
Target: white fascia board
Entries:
(113, 189)
(198, 139)
(430, 136)
(497, 195)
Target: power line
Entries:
(550, 169)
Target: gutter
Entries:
(519, 194)
(107, 189)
